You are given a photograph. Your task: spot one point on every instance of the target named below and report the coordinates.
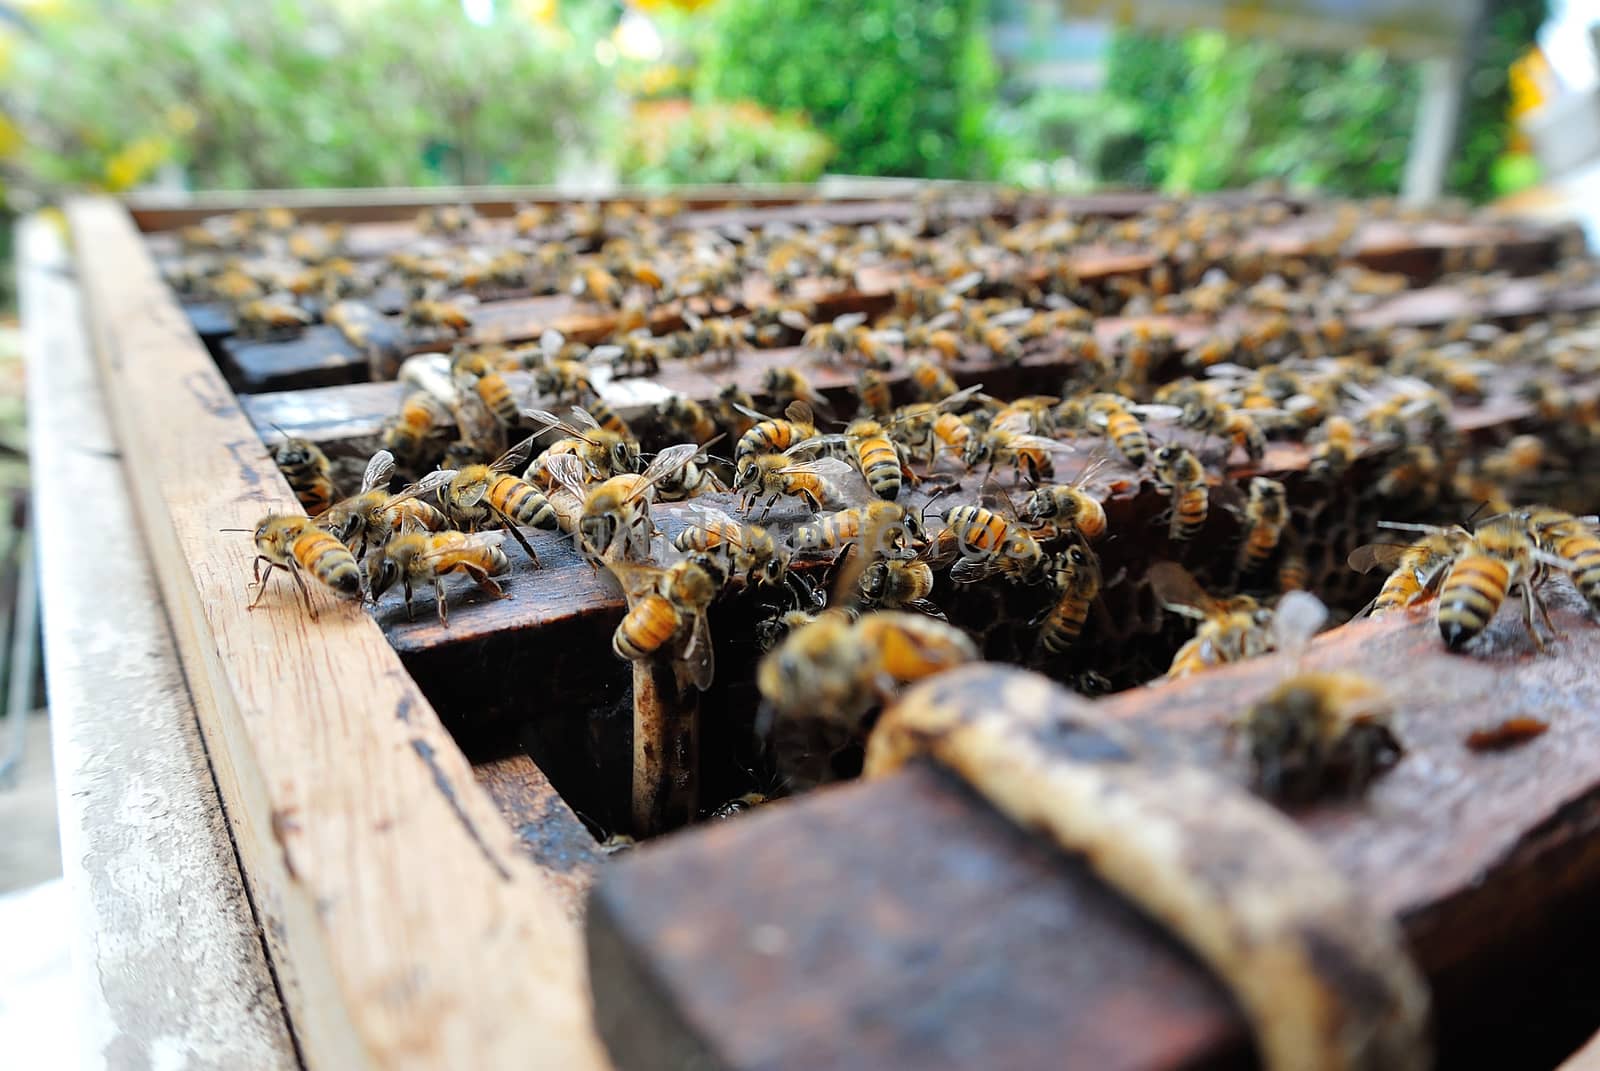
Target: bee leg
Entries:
(1529, 601)
(305, 591)
(1544, 613)
(438, 600)
(411, 614)
(516, 532)
(485, 582)
(261, 581)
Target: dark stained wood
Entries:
(317, 357)
(546, 826)
(917, 929)
(902, 933)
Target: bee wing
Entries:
(699, 658)
(970, 570)
(478, 425)
(430, 483)
(585, 419)
(816, 442)
(747, 411)
(829, 468)
(961, 397)
(515, 457)
(379, 471)
(552, 422)
(567, 470)
(550, 343)
(1097, 461)
(1298, 616)
(1151, 412)
(794, 320)
(638, 579)
(1011, 317)
(474, 539)
(799, 412)
(849, 321)
(965, 282)
(1175, 587)
(707, 518)
(694, 322)
(668, 462)
(1014, 421)
(606, 354)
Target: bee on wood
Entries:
(684, 418)
(369, 517)
(752, 552)
(988, 542)
(1501, 557)
(478, 372)
(771, 436)
(298, 547)
(1317, 734)
(271, 317)
(823, 480)
(413, 431)
(874, 394)
(1334, 450)
(1571, 539)
(615, 517)
(604, 453)
(1415, 568)
(1068, 505)
(483, 496)
(667, 612)
(720, 336)
(449, 317)
(414, 558)
(1112, 414)
(308, 471)
(788, 385)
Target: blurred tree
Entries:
(673, 141)
(900, 89)
(1508, 27)
(286, 93)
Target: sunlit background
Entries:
(286, 93)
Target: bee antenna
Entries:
(236, 529)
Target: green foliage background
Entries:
(899, 88)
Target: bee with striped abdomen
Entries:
(773, 436)
(1230, 630)
(615, 519)
(1571, 539)
(485, 496)
(1077, 582)
(1183, 479)
(477, 372)
(1266, 514)
(449, 317)
(684, 418)
(873, 392)
(751, 551)
(825, 480)
(414, 431)
(298, 547)
(413, 558)
(1415, 568)
(308, 471)
(1068, 505)
(369, 517)
(1113, 415)
(987, 543)
(667, 613)
(929, 383)
(1500, 558)
(604, 453)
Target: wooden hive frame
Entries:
(385, 876)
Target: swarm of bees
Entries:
(1144, 484)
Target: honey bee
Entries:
(298, 547)
(596, 284)
(308, 471)
(880, 460)
(604, 453)
(369, 517)
(832, 341)
(738, 805)
(564, 380)
(1416, 567)
(775, 436)
(637, 353)
(1212, 417)
(412, 558)
(1413, 471)
(1180, 475)
(449, 220)
(1126, 432)
(1319, 733)
(480, 496)
(615, 519)
(787, 385)
(989, 544)
(530, 218)
(929, 383)
(873, 391)
(839, 669)
(234, 284)
(721, 336)
(667, 609)
(1068, 505)
(684, 418)
(477, 372)
(269, 317)
(1331, 456)
(752, 552)
(1231, 630)
(935, 338)
(1077, 582)
(881, 529)
(898, 584)
(735, 411)
(1571, 539)
(451, 317)
(413, 431)
(1266, 514)
(1029, 456)
(1143, 349)
(824, 480)
(1501, 557)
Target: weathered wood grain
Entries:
(389, 886)
(167, 953)
(1486, 859)
(539, 818)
